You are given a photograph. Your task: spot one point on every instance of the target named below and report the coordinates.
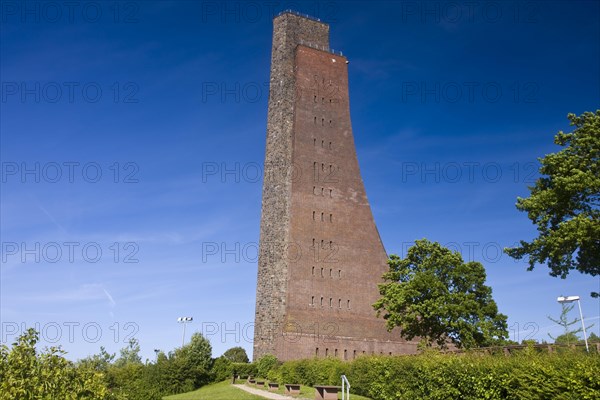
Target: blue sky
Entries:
(133, 137)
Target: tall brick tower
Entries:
(320, 254)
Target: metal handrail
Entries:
(316, 46)
(345, 388)
(290, 11)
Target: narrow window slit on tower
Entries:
(313, 215)
(330, 217)
(322, 216)
(312, 301)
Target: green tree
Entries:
(98, 362)
(434, 295)
(28, 375)
(565, 203)
(569, 335)
(236, 354)
(567, 338)
(130, 354)
(191, 364)
(265, 364)
(222, 369)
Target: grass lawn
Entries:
(309, 392)
(224, 391)
(216, 391)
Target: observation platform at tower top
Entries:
(308, 44)
(299, 14)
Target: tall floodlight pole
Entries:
(570, 299)
(184, 320)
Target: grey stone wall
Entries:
(288, 31)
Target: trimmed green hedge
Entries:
(527, 374)
(243, 369)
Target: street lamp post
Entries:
(184, 320)
(570, 299)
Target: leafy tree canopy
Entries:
(26, 373)
(236, 354)
(193, 362)
(265, 364)
(434, 295)
(565, 203)
(130, 354)
(567, 338)
(569, 335)
(98, 362)
(222, 369)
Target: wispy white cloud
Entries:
(59, 226)
(85, 292)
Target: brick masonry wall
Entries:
(288, 31)
(321, 256)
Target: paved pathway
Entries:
(265, 394)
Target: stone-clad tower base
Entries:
(321, 256)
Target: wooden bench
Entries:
(292, 389)
(251, 381)
(326, 392)
(273, 387)
(260, 383)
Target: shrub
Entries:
(222, 369)
(244, 369)
(265, 364)
(528, 374)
